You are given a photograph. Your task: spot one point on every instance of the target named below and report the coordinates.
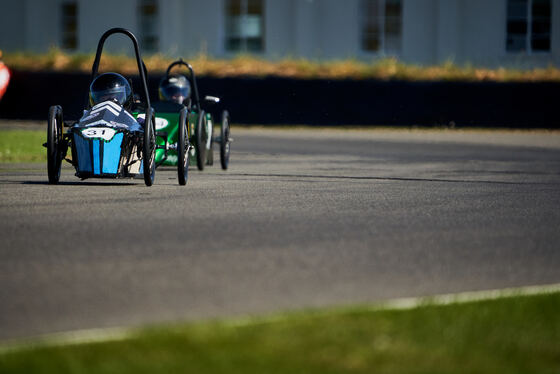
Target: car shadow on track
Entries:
(405, 179)
(81, 183)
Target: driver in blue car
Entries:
(111, 87)
(111, 100)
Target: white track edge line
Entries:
(465, 297)
(97, 335)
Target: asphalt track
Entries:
(304, 218)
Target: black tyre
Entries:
(201, 138)
(54, 144)
(182, 149)
(225, 141)
(149, 148)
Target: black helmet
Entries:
(174, 88)
(110, 86)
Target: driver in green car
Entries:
(175, 88)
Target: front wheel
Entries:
(225, 140)
(54, 144)
(182, 149)
(149, 148)
(201, 137)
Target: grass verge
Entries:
(517, 334)
(22, 146)
(247, 65)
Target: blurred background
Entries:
(318, 62)
(520, 33)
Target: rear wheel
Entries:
(201, 138)
(182, 149)
(149, 148)
(224, 140)
(54, 143)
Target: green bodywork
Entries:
(169, 123)
(172, 130)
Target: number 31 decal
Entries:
(99, 132)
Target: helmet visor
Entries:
(117, 94)
(174, 92)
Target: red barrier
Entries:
(4, 79)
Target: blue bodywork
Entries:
(106, 143)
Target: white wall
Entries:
(449, 36)
(96, 17)
(41, 21)
(170, 27)
(280, 31)
(483, 31)
(202, 27)
(419, 31)
(555, 40)
(467, 31)
(312, 29)
(464, 31)
(339, 29)
(305, 28)
(12, 25)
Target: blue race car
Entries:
(108, 141)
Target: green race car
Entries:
(180, 104)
